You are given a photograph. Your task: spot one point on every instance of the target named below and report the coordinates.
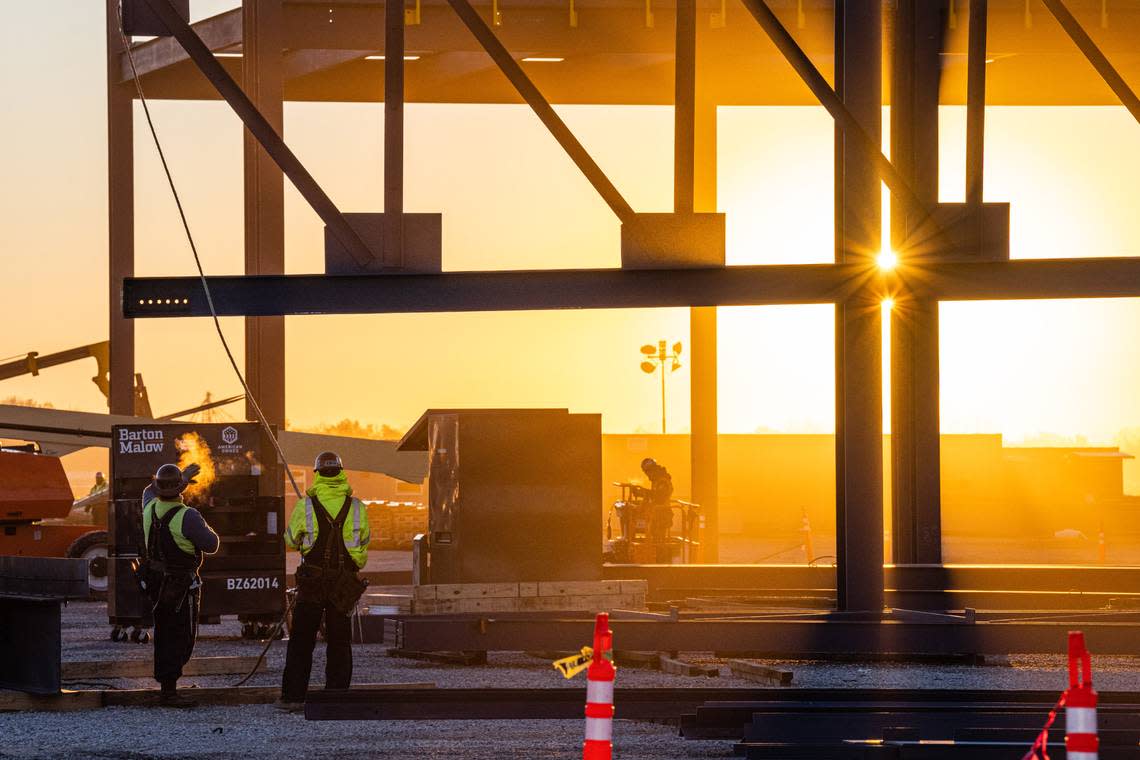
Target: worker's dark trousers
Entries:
(174, 634)
(302, 639)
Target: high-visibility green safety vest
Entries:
(301, 532)
(161, 507)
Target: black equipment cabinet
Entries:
(243, 502)
(513, 494)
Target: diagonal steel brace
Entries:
(828, 98)
(1095, 56)
(541, 107)
(262, 131)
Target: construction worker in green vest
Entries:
(176, 538)
(100, 484)
(330, 529)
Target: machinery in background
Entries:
(240, 492)
(39, 519)
(32, 363)
(512, 495)
(646, 529)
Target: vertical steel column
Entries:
(976, 109)
(704, 453)
(915, 444)
(858, 323)
(694, 189)
(684, 106)
(120, 218)
(976, 103)
(393, 255)
(263, 82)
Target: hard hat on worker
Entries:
(328, 463)
(168, 482)
(647, 463)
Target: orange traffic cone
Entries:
(600, 695)
(1081, 741)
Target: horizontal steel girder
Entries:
(612, 57)
(784, 637)
(615, 289)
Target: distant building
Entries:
(767, 481)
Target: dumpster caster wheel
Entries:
(247, 631)
(118, 634)
(139, 636)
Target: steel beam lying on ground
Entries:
(782, 637)
(1055, 578)
(507, 704)
(617, 289)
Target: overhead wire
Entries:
(261, 418)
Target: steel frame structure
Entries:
(931, 268)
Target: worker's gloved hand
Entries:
(190, 473)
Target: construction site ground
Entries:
(260, 731)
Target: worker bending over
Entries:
(176, 537)
(330, 529)
(658, 496)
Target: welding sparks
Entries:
(192, 449)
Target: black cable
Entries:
(198, 262)
(292, 597)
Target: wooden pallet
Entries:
(569, 596)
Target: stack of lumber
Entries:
(396, 523)
(565, 596)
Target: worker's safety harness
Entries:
(324, 576)
(164, 582)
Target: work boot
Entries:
(169, 697)
(289, 707)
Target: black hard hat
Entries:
(168, 481)
(647, 463)
(328, 463)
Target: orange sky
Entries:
(511, 199)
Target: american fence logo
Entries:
(140, 441)
(229, 441)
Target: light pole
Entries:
(655, 357)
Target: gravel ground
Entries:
(262, 732)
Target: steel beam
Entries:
(120, 219)
(784, 638)
(1094, 55)
(684, 107)
(217, 33)
(494, 291)
(508, 704)
(976, 102)
(542, 109)
(858, 321)
(695, 189)
(858, 133)
(923, 578)
(262, 129)
(617, 289)
(917, 32)
(264, 194)
(608, 63)
(393, 253)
